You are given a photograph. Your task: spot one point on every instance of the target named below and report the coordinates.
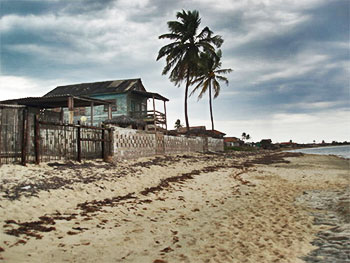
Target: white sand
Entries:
(221, 216)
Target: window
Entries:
(79, 111)
(113, 105)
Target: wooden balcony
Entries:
(155, 120)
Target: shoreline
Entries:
(178, 208)
(311, 150)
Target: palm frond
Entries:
(170, 36)
(168, 49)
(224, 79)
(223, 71)
(217, 41)
(216, 88)
(200, 83)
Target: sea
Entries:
(342, 151)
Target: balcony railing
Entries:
(154, 119)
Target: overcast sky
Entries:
(290, 58)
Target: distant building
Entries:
(287, 144)
(233, 141)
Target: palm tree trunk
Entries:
(211, 107)
(186, 95)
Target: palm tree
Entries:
(209, 77)
(178, 124)
(182, 55)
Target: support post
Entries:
(79, 142)
(154, 115)
(1, 125)
(103, 143)
(92, 113)
(166, 124)
(111, 142)
(25, 136)
(37, 138)
(71, 109)
(61, 115)
(109, 111)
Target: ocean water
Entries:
(342, 151)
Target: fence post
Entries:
(111, 141)
(36, 138)
(103, 143)
(25, 136)
(79, 142)
(1, 125)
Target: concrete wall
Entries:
(174, 144)
(130, 143)
(215, 145)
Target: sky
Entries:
(291, 78)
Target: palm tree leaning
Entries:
(182, 55)
(208, 78)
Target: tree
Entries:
(178, 124)
(208, 77)
(182, 55)
(247, 137)
(244, 136)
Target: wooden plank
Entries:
(154, 115)
(109, 111)
(166, 125)
(70, 125)
(103, 145)
(37, 138)
(92, 113)
(25, 130)
(93, 140)
(61, 115)
(79, 143)
(6, 148)
(1, 125)
(71, 109)
(111, 136)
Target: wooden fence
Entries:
(28, 136)
(11, 133)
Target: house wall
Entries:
(123, 103)
(130, 144)
(136, 103)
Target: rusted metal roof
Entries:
(103, 87)
(55, 101)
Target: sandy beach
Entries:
(233, 207)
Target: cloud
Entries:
(289, 57)
(21, 87)
(302, 128)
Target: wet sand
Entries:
(238, 207)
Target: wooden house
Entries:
(126, 97)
